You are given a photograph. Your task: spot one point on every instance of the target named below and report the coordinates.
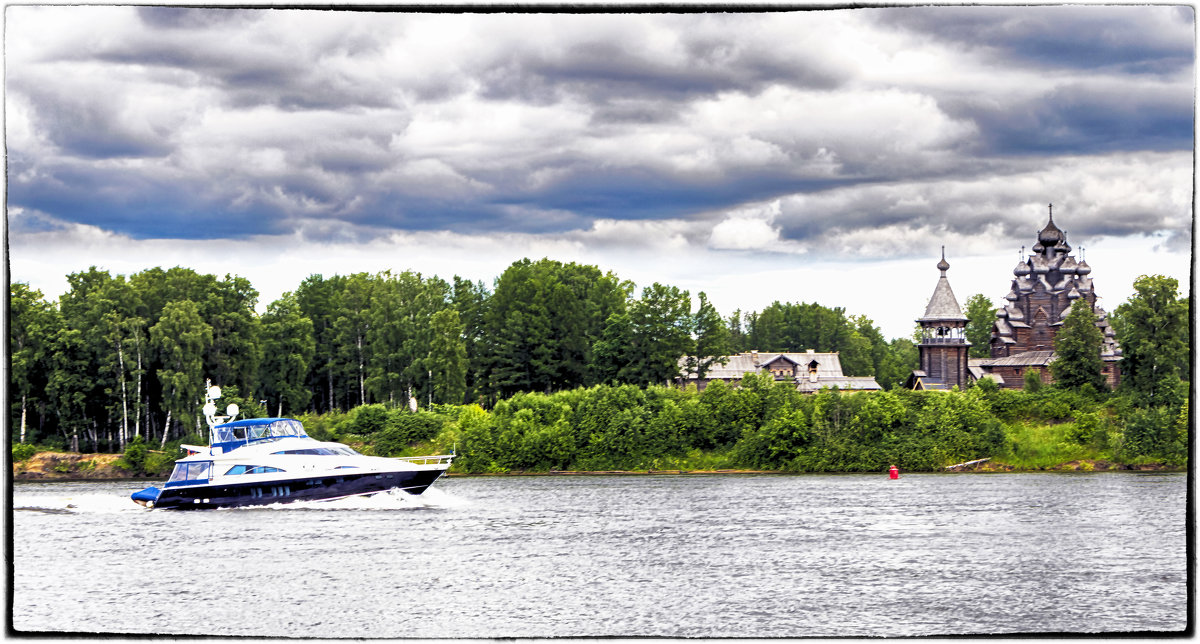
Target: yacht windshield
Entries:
(259, 429)
(191, 471)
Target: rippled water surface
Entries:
(678, 556)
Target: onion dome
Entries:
(1038, 248)
(1040, 265)
(1074, 294)
(943, 265)
(1069, 265)
(1012, 296)
(1050, 235)
(1021, 270)
(1082, 268)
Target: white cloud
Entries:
(749, 228)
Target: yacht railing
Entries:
(441, 459)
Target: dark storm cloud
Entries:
(604, 71)
(1082, 119)
(1132, 39)
(188, 18)
(138, 205)
(253, 122)
(93, 126)
(233, 50)
(636, 111)
(639, 194)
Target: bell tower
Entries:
(943, 347)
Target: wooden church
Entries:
(1045, 285)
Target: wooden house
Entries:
(811, 371)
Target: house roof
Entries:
(1024, 359)
(976, 368)
(828, 366)
(844, 383)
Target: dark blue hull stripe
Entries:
(318, 488)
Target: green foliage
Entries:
(159, 463)
(180, 339)
(369, 419)
(900, 358)
(660, 333)
(1151, 432)
(987, 385)
(801, 326)
(981, 314)
(32, 326)
(713, 339)
(134, 458)
(248, 406)
(288, 351)
(478, 451)
(1036, 446)
(1033, 380)
(540, 325)
(1077, 346)
(22, 452)
(447, 361)
(404, 428)
(1152, 328)
(327, 427)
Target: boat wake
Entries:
(432, 499)
(75, 504)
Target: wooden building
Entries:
(1045, 286)
(943, 348)
(811, 371)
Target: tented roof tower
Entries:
(943, 347)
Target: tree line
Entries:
(766, 424)
(118, 357)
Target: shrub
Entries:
(1033, 380)
(23, 452)
(134, 458)
(403, 428)
(369, 419)
(158, 464)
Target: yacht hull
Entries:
(309, 488)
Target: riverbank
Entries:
(70, 465)
(49, 466)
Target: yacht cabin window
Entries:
(194, 471)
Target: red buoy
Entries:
(893, 473)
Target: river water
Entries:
(590, 556)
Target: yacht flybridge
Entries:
(261, 461)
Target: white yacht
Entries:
(260, 461)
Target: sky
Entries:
(799, 156)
